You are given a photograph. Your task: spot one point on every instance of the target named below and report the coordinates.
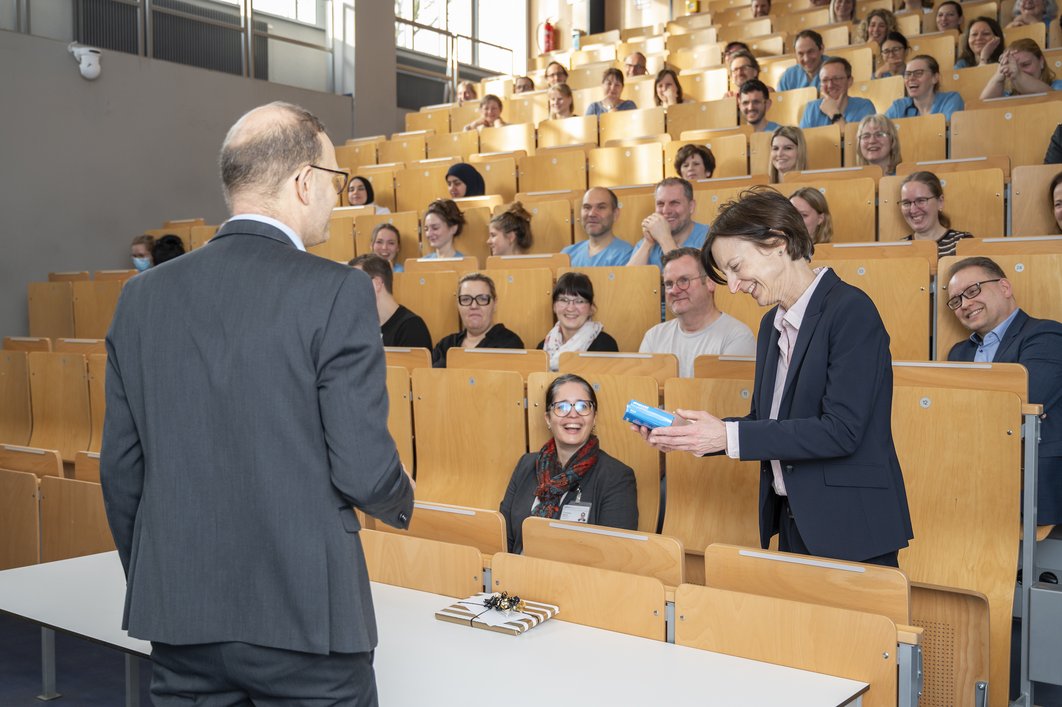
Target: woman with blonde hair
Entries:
(1022, 70)
(561, 101)
(510, 231)
(812, 206)
(878, 143)
(876, 26)
(789, 152)
(842, 11)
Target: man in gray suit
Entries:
(246, 414)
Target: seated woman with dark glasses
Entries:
(570, 478)
(476, 301)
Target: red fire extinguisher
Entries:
(547, 36)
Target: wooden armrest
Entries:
(669, 594)
(1042, 531)
(1032, 409)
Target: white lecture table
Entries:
(421, 660)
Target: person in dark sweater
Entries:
(398, 325)
(575, 330)
(477, 299)
(571, 477)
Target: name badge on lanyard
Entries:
(576, 512)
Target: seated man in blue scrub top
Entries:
(671, 225)
(601, 247)
(808, 49)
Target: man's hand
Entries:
(655, 227)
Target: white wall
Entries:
(85, 166)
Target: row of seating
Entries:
(990, 123)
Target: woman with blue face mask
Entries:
(140, 252)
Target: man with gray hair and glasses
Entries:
(982, 299)
(698, 327)
(246, 419)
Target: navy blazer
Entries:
(246, 414)
(1037, 345)
(833, 435)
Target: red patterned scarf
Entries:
(554, 482)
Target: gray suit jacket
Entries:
(246, 413)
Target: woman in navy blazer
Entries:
(830, 480)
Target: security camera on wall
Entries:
(88, 60)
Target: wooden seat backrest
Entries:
(1036, 284)
(97, 378)
(60, 402)
(1015, 245)
(964, 164)
(899, 288)
(382, 176)
(16, 418)
(629, 551)
(619, 166)
(847, 585)
(19, 519)
(1019, 132)
(553, 169)
(499, 172)
(339, 246)
(853, 204)
(51, 309)
(658, 366)
(525, 302)
(405, 147)
(480, 528)
(613, 393)
(705, 84)
(531, 261)
(433, 296)
(714, 366)
(73, 522)
(701, 115)
(972, 199)
(42, 462)
(82, 346)
(26, 344)
(825, 639)
(577, 130)
(69, 276)
(467, 263)
(87, 466)
(400, 412)
(788, 106)
(880, 92)
(627, 300)
(408, 358)
(422, 564)
(939, 45)
(963, 490)
(618, 125)
(468, 464)
(711, 499)
(824, 147)
(518, 136)
(614, 601)
(446, 144)
(522, 361)
(416, 186)
(1031, 205)
(437, 120)
(635, 205)
(529, 107)
(955, 642)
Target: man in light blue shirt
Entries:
(835, 106)
(754, 100)
(671, 226)
(602, 247)
(808, 48)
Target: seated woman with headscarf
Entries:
(575, 330)
(462, 179)
(570, 478)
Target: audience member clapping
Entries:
(1030, 12)
(1022, 70)
(575, 330)
(571, 477)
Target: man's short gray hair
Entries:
(261, 160)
